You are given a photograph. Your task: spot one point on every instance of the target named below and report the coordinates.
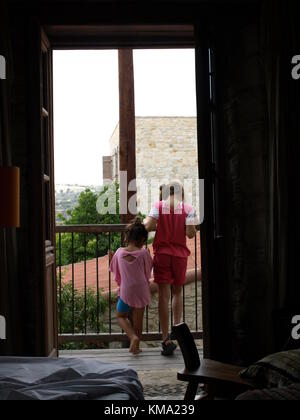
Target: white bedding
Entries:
(66, 379)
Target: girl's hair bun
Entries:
(136, 231)
(137, 221)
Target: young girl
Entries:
(173, 220)
(132, 267)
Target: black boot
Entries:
(168, 349)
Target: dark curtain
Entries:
(280, 42)
(8, 247)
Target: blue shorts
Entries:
(122, 307)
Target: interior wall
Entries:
(9, 275)
(20, 297)
(252, 236)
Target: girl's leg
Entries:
(127, 327)
(163, 308)
(138, 320)
(179, 267)
(177, 304)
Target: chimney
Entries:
(107, 170)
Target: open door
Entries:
(42, 193)
(50, 285)
(212, 239)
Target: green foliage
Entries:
(85, 213)
(65, 310)
(95, 324)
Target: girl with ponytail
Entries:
(132, 267)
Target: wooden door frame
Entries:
(36, 251)
(205, 173)
(50, 254)
(65, 42)
(40, 259)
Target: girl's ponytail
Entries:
(136, 232)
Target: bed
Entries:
(66, 379)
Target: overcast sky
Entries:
(86, 103)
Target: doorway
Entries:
(103, 333)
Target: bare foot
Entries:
(138, 351)
(134, 345)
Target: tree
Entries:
(85, 213)
(84, 306)
(79, 310)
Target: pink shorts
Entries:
(170, 270)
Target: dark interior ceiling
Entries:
(75, 24)
(88, 12)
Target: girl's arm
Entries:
(148, 263)
(191, 231)
(150, 224)
(114, 268)
(151, 221)
(110, 256)
(191, 223)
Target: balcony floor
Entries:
(158, 374)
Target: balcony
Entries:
(80, 283)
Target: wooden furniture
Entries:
(215, 376)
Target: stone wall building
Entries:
(166, 149)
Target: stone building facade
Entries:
(166, 149)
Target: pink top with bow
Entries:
(133, 276)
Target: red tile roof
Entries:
(103, 264)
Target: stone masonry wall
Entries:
(166, 149)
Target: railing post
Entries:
(60, 287)
(73, 287)
(85, 287)
(183, 297)
(109, 298)
(98, 291)
(196, 281)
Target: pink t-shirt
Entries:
(170, 238)
(133, 277)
